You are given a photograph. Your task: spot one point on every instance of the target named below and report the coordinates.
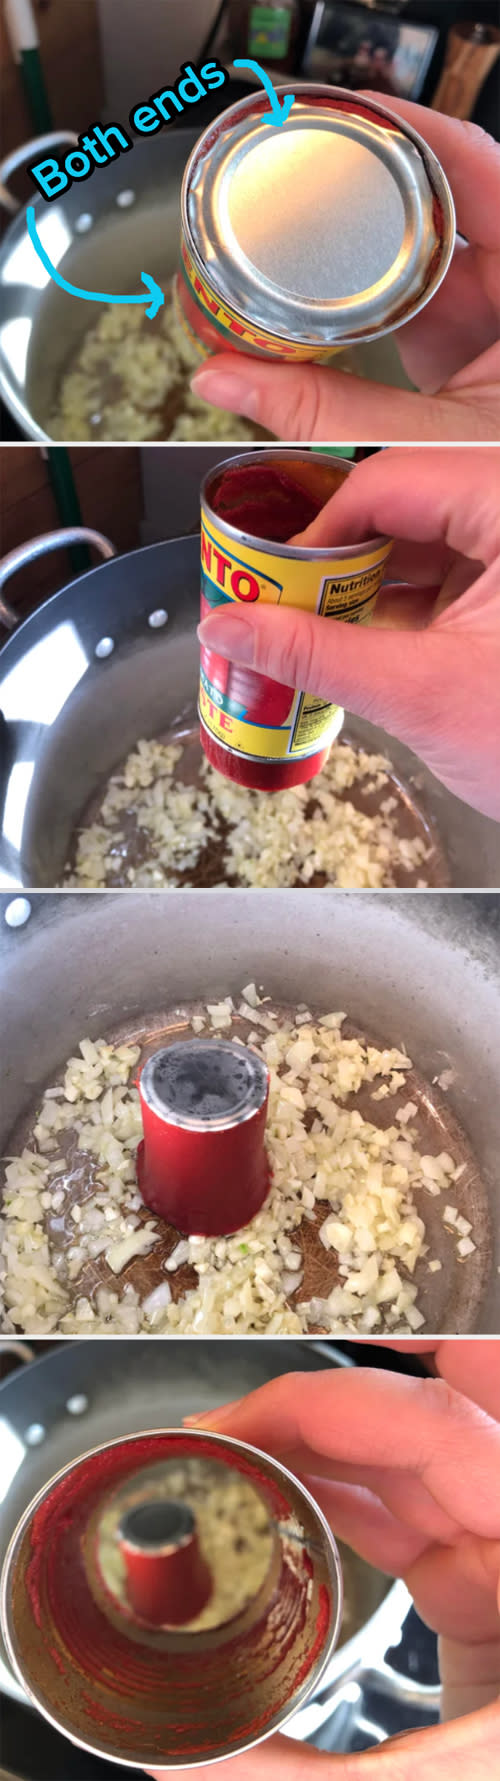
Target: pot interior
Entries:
(72, 715)
(426, 975)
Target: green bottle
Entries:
(271, 29)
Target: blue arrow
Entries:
(156, 296)
(278, 113)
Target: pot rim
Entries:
(33, 618)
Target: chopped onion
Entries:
(324, 1155)
(157, 1300)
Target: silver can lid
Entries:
(333, 228)
(204, 1085)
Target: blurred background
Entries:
(98, 57)
(134, 494)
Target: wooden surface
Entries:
(71, 58)
(109, 489)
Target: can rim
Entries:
(331, 1551)
(250, 1103)
(159, 1548)
(438, 185)
(296, 553)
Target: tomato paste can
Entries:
(202, 1164)
(254, 730)
(168, 1582)
(152, 1695)
(296, 242)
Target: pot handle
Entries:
(37, 547)
(22, 1352)
(425, 1697)
(380, 1677)
(21, 156)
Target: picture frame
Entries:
(352, 45)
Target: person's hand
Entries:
(472, 1368)
(428, 668)
(407, 1472)
(451, 350)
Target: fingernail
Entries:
(209, 1420)
(225, 389)
(229, 634)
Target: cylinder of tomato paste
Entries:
(257, 732)
(168, 1582)
(202, 1164)
(119, 1682)
(300, 241)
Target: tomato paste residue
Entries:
(57, 1659)
(113, 1721)
(264, 501)
(322, 1624)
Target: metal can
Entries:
(167, 1580)
(155, 1695)
(202, 1164)
(254, 730)
(300, 241)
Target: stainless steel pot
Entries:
(101, 235)
(112, 657)
(419, 968)
(86, 1392)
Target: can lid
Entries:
(204, 1084)
(335, 227)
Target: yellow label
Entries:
(312, 724)
(351, 596)
(265, 742)
(243, 709)
(231, 326)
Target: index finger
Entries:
(469, 158)
(440, 496)
(371, 1419)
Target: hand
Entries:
(428, 669)
(469, 1367)
(451, 350)
(407, 1472)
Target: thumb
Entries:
(276, 1759)
(459, 1751)
(314, 402)
(391, 678)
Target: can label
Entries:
(233, 327)
(247, 711)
